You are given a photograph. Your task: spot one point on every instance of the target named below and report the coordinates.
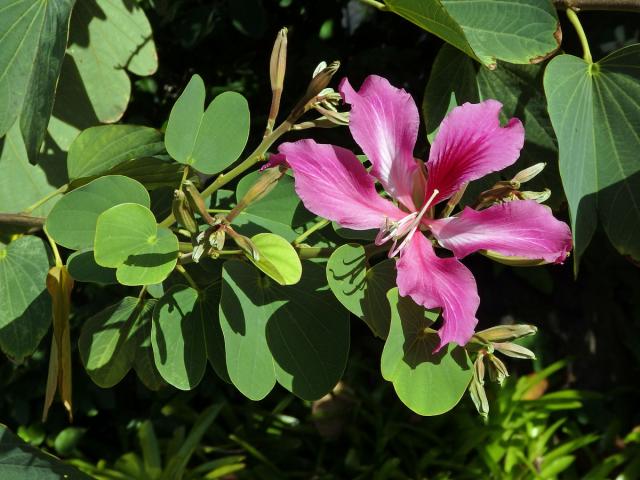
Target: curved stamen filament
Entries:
(410, 229)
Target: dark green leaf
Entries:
(293, 334)
(83, 268)
(596, 115)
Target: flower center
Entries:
(405, 227)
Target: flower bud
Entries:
(318, 83)
(244, 243)
(267, 182)
(539, 197)
(476, 388)
(182, 212)
(513, 261)
(278, 63)
(196, 202)
(497, 369)
(528, 173)
(504, 333)
(514, 350)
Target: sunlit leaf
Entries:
(72, 223)
(426, 382)
(208, 140)
(128, 239)
(277, 258)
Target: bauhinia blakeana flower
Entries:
(470, 143)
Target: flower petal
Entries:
(435, 282)
(384, 121)
(521, 228)
(470, 144)
(333, 183)
(275, 160)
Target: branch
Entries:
(31, 224)
(619, 5)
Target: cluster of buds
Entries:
(486, 343)
(317, 97)
(187, 202)
(509, 190)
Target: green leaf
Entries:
(214, 339)
(362, 290)
(19, 461)
(152, 172)
(98, 149)
(128, 239)
(527, 31)
(278, 258)
(32, 44)
(101, 52)
(294, 334)
(596, 117)
(281, 205)
(427, 383)
(178, 337)
(83, 268)
(72, 222)
(109, 340)
(25, 304)
(208, 140)
(456, 79)
(17, 171)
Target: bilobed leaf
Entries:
(72, 222)
(102, 52)
(208, 140)
(296, 334)
(19, 461)
(595, 112)
(152, 172)
(456, 79)
(32, 44)
(178, 337)
(277, 258)
(25, 305)
(526, 31)
(109, 340)
(362, 290)
(128, 239)
(16, 170)
(426, 382)
(98, 149)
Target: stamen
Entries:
(412, 228)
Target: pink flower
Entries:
(333, 183)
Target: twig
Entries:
(620, 5)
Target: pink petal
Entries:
(470, 144)
(522, 228)
(435, 282)
(333, 183)
(275, 159)
(384, 121)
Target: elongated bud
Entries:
(513, 261)
(244, 243)
(528, 173)
(539, 197)
(318, 83)
(267, 182)
(196, 202)
(337, 118)
(182, 211)
(321, 66)
(497, 369)
(514, 350)
(277, 69)
(476, 388)
(278, 63)
(505, 333)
